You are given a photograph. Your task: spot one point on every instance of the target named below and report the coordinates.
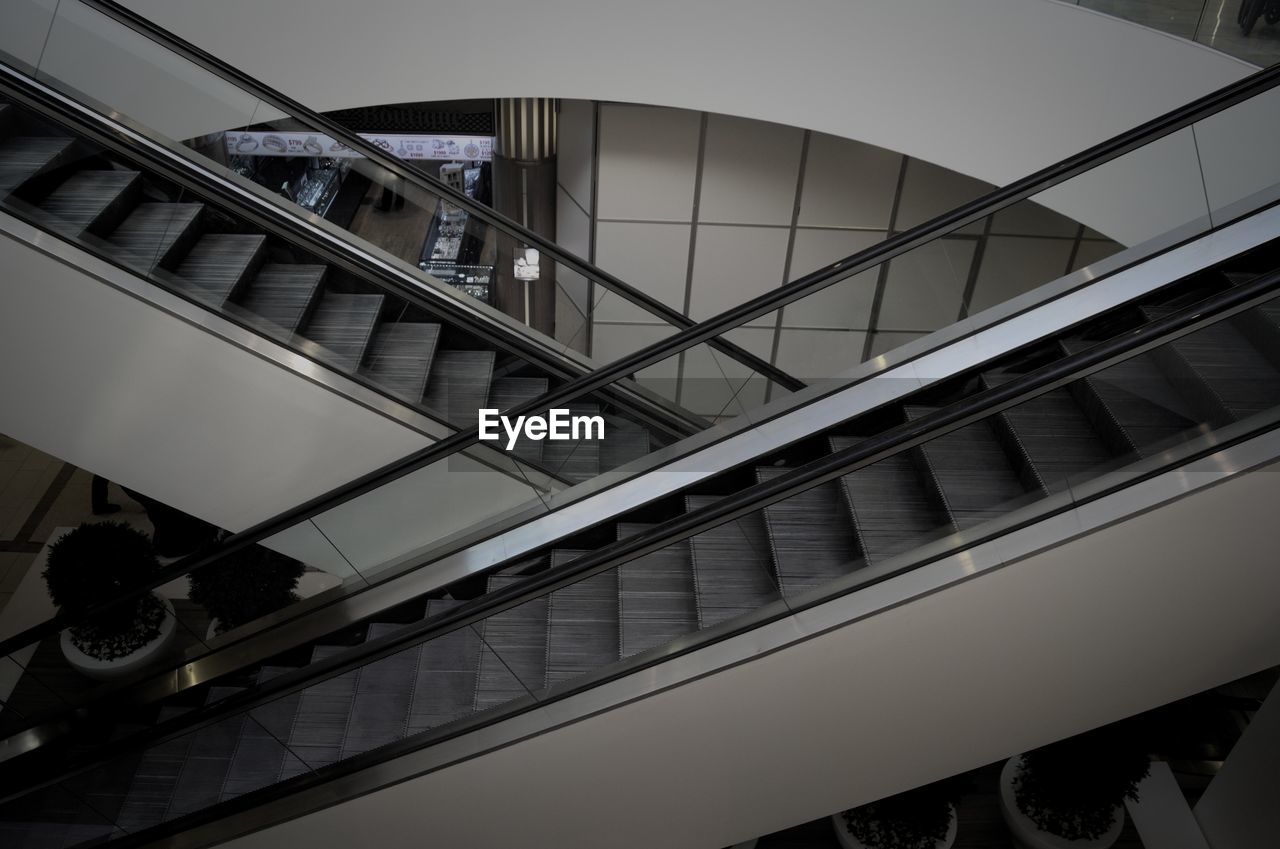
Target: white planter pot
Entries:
(848, 841)
(1028, 835)
(123, 667)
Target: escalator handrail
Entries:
(874, 449)
(1197, 110)
(410, 172)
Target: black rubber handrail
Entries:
(406, 170)
(24, 773)
(1197, 110)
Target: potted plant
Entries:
(245, 586)
(1072, 792)
(95, 562)
(924, 818)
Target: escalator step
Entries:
(893, 510)
(260, 755)
(507, 392)
(1053, 436)
(1261, 326)
(342, 326)
(972, 472)
(90, 201)
(583, 624)
(153, 233)
(656, 598)
(810, 534)
(1221, 367)
(732, 567)
(155, 780)
(1133, 404)
(624, 441)
(217, 264)
(321, 722)
(575, 461)
(380, 711)
(458, 385)
(206, 766)
(280, 294)
(400, 357)
(28, 156)
(444, 687)
(513, 660)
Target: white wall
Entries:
(1045, 648)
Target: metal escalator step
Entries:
(574, 460)
(280, 294)
(973, 474)
(400, 357)
(1223, 370)
(583, 624)
(153, 233)
(342, 326)
(507, 392)
(380, 711)
(513, 659)
(624, 441)
(893, 510)
(25, 157)
(444, 686)
(155, 779)
(656, 598)
(1053, 436)
(458, 385)
(1133, 404)
(732, 567)
(320, 725)
(811, 536)
(260, 755)
(205, 768)
(93, 201)
(1261, 326)
(218, 264)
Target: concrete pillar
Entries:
(524, 188)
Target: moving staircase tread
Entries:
(321, 721)
(260, 754)
(892, 509)
(513, 657)
(1261, 326)
(343, 325)
(24, 157)
(281, 293)
(149, 234)
(458, 384)
(1242, 381)
(1134, 401)
(624, 441)
(400, 357)
(219, 263)
(574, 461)
(380, 712)
(810, 534)
(972, 472)
(732, 568)
(507, 392)
(89, 200)
(444, 686)
(155, 779)
(656, 598)
(583, 623)
(1053, 435)
(205, 767)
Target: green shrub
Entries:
(95, 562)
(917, 819)
(246, 585)
(1071, 788)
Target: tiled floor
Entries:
(37, 494)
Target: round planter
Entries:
(123, 667)
(1028, 835)
(848, 841)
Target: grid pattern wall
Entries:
(703, 211)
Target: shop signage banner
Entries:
(443, 148)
